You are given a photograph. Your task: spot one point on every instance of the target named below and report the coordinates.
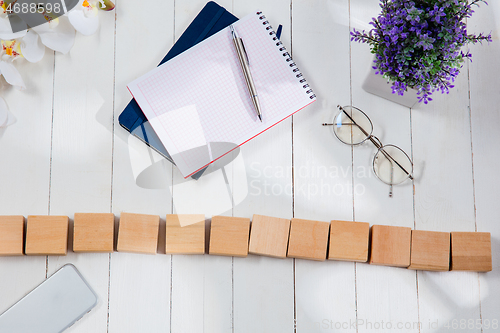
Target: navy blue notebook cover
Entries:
(210, 20)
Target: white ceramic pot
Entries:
(376, 84)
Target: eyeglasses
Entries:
(390, 163)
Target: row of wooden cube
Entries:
(269, 236)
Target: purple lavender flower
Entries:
(417, 43)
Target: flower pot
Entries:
(378, 85)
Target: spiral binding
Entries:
(282, 48)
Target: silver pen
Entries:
(245, 67)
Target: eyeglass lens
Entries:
(391, 165)
(352, 126)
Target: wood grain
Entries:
(269, 236)
(471, 251)
(349, 241)
(229, 236)
(137, 26)
(25, 179)
(430, 250)
(47, 235)
(390, 246)
(11, 235)
(392, 125)
(93, 232)
(308, 239)
(444, 196)
(82, 152)
(138, 233)
(322, 166)
(484, 78)
(263, 288)
(188, 238)
(192, 300)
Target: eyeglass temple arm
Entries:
(389, 157)
(376, 143)
(392, 177)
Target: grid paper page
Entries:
(198, 102)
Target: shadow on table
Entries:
(468, 314)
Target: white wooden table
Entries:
(67, 153)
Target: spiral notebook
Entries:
(198, 102)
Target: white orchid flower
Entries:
(11, 51)
(6, 118)
(5, 27)
(84, 16)
(57, 34)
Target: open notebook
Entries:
(198, 102)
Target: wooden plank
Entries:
(204, 278)
(444, 200)
(263, 287)
(141, 176)
(82, 152)
(139, 282)
(199, 281)
(484, 74)
(322, 166)
(270, 283)
(24, 186)
(394, 299)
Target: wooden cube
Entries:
(11, 235)
(349, 241)
(138, 233)
(229, 236)
(93, 232)
(390, 246)
(269, 236)
(430, 250)
(471, 251)
(187, 237)
(47, 235)
(308, 239)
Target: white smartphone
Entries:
(53, 306)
